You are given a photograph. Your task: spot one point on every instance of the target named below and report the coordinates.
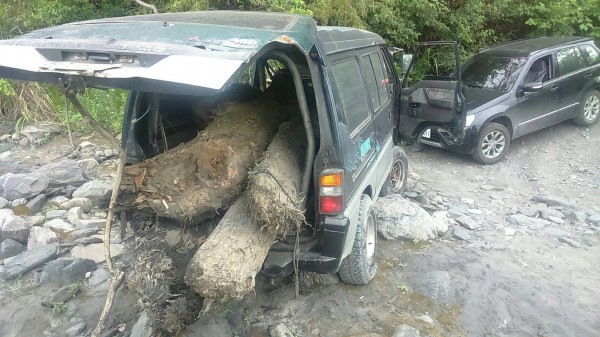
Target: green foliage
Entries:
(565, 17)
(6, 89)
(59, 308)
(106, 106)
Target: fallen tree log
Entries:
(225, 266)
(195, 180)
(275, 184)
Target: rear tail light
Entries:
(331, 197)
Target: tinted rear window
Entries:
(569, 60)
(496, 73)
(351, 91)
(591, 54)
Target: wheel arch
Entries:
(505, 121)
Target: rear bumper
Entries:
(323, 256)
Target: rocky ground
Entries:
(505, 250)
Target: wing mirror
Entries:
(532, 87)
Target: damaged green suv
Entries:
(343, 79)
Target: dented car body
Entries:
(344, 79)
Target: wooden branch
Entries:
(86, 116)
(117, 275)
(147, 5)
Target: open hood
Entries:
(186, 53)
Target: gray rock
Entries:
(552, 200)
(96, 251)
(467, 201)
(555, 232)
(98, 277)
(556, 219)
(35, 204)
(88, 165)
(5, 156)
(510, 231)
(435, 285)
(594, 219)
(57, 200)
(467, 222)
(88, 241)
(546, 213)
(401, 218)
(40, 236)
(24, 142)
(65, 271)
(18, 202)
(13, 227)
(96, 190)
(143, 326)
(84, 203)
(461, 234)
(209, 326)
(28, 261)
(410, 194)
(529, 211)
(35, 220)
(575, 216)
(457, 210)
(75, 330)
(520, 219)
(15, 186)
(3, 203)
(59, 226)
(63, 173)
(569, 241)
(81, 233)
(74, 215)
(56, 214)
(91, 223)
(406, 331)
(10, 248)
(62, 295)
(280, 330)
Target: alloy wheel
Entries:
(591, 108)
(397, 176)
(493, 144)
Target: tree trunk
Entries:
(225, 266)
(195, 180)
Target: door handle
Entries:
(588, 76)
(554, 89)
(414, 105)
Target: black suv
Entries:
(502, 93)
(344, 80)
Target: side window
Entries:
(569, 60)
(591, 54)
(351, 92)
(539, 71)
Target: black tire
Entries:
(589, 109)
(360, 266)
(492, 144)
(396, 180)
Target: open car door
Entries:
(433, 103)
(196, 53)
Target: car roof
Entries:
(338, 39)
(531, 46)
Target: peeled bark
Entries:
(225, 266)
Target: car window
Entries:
(539, 71)
(569, 60)
(376, 79)
(591, 54)
(491, 72)
(351, 91)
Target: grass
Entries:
(17, 287)
(59, 308)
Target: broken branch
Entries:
(86, 116)
(147, 5)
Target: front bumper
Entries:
(324, 255)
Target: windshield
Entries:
(496, 73)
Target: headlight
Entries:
(470, 119)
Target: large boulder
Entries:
(28, 261)
(16, 186)
(63, 173)
(13, 227)
(400, 218)
(40, 236)
(65, 271)
(59, 226)
(10, 248)
(96, 190)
